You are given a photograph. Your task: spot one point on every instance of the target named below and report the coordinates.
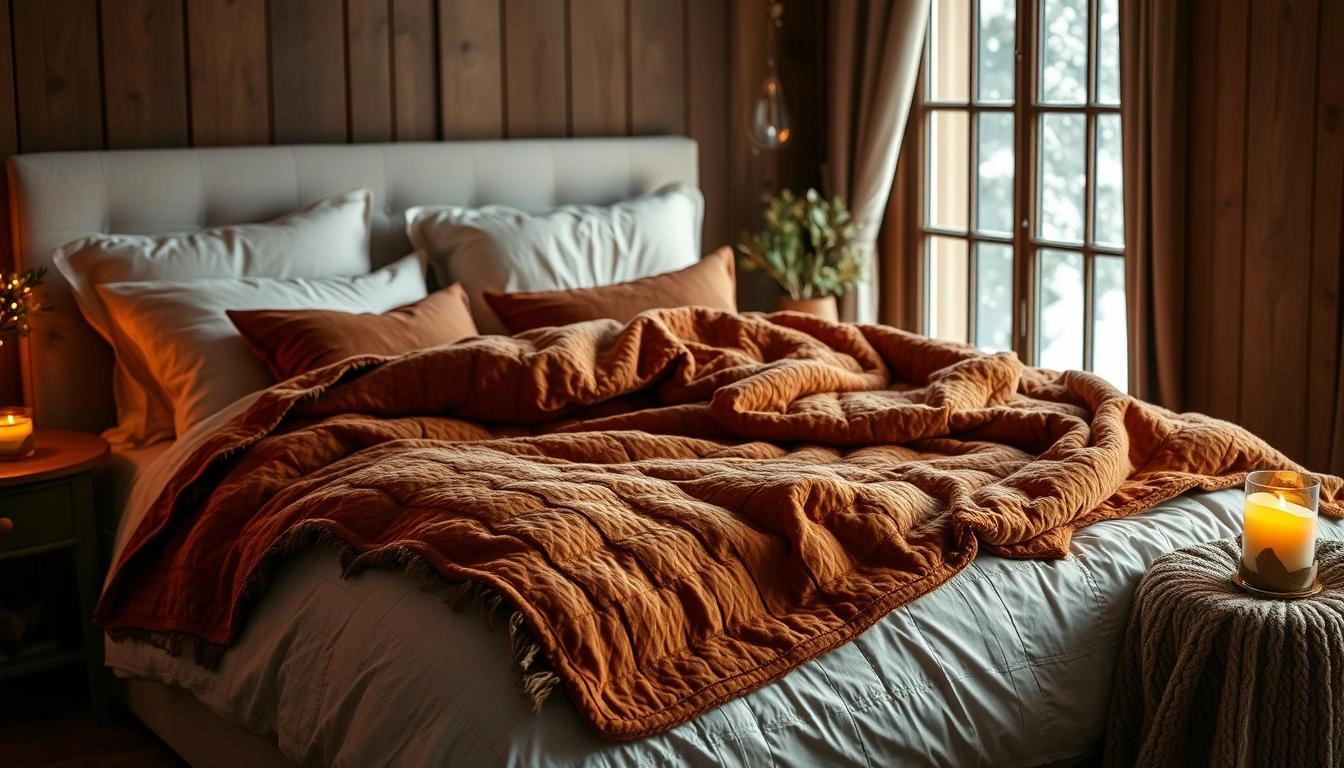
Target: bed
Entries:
(1008, 663)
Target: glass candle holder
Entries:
(16, 433)
(1278, 542)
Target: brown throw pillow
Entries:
(712, 282)
(295, 341)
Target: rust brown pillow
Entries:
(711, 282)
(294, 341)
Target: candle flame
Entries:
(11, 419)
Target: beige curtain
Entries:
(873, 48)
(1153, 102)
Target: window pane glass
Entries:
(997, 20)
(994, 178)
(1108, 51)
(1064, 55)
(994, 297)
(1059, 310)
(1110, 358)
(948, 290)
(948, 172)
(950, 53)
(1062, 177)
(1109, 217)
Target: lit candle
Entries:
(1278, 552)
(16, 432)
(1273, 522)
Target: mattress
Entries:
(1007, 664)
(116, 477)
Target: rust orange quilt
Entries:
(677, 510)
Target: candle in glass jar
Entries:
(1273, 522)
(15, 431)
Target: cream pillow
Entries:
(329, 237)
(501, 249)
(197, 358)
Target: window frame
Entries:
(1027, 114)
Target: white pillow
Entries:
(197, 357)
(502, 249)
(329, 237)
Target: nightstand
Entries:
(47, 499)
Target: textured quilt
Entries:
(676, 511)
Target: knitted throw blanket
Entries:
(1212, 676)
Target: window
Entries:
(1021, 188)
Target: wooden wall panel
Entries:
(1217, 225)
(535, 88)
(9, 127)
(1282, 87)
(1327, 239)
(657, 67)
(10, 386)
(599, 56)
(145, 74)
(56, 64)
(415, 70)
(471, 69)
(308, 72)
(84, 74)
(229, 72)
(370, 87)
(708, 108)
(1266, 221)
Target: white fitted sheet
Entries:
(1007, 664)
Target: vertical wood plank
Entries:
(230, 89)
(415, 82)
(598, 59)
(11, 391)
(800, 61)
(56, 75)
(9, 127)
(144, 74)
(1202, 117)
(1278, 220)
(753, 172)
(308, 72)
(1327, 246)
(708, 112)
(370, 52)
(534, 68)
(657, 67)
(1227, 230)
(471, 77)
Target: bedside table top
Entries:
(56, 453)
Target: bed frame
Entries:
(60, 196)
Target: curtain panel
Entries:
(1154, 101)
(873, 52)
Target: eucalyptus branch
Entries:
(807, 245)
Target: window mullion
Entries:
(1090, 190)
(1024, 166)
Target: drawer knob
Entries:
(6, 525)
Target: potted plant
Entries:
(807, 246)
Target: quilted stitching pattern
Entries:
(683, 509)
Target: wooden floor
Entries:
(45, 721)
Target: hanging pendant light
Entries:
(770, 124)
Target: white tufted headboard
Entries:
(60, 196)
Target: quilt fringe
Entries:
(537, 679)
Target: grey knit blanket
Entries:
(1209, 675)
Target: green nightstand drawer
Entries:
(40, 516)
